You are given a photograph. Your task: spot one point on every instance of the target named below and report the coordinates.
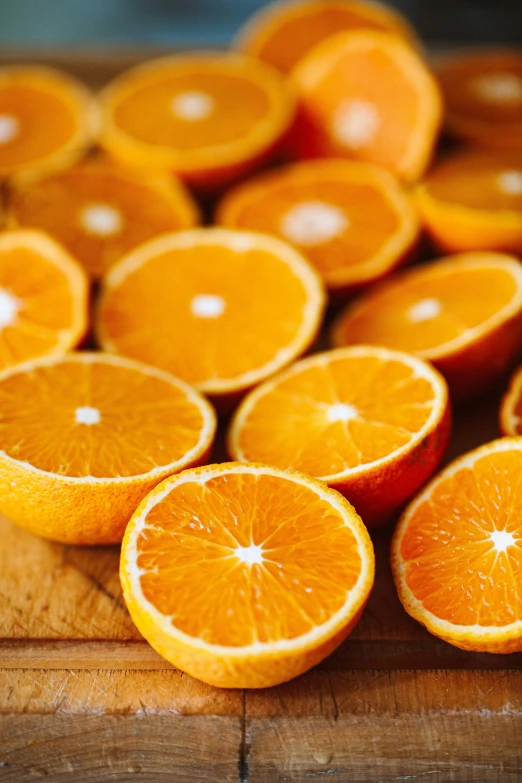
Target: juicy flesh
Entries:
(479, 181)
(195, 569)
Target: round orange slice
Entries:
(372, 423)
(100, 212)
(457, 551)
(473, 201)
(43, 297)
(207, 117)
(85, 436)
(245, 576)
(282, 33)
(47, 119)
(368, 95)
(462, 313)
(511, 407)
(353, 221)
(222, 309)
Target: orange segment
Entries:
(358, 418)
(457, 551)
(353, 221)
(47, 119)
(206, 117)
(368, 95)
(222, 309)
(100, 212)
(221, 572)
(463, 313)
(511, 407)
(85, 436)
(282, 33)
(43, 298)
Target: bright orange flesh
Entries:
(244, 575)
(100, 212)
(326, 208)
(511, 407)
(457, 551)
(43, 298)
(284, 32)
(368, 95)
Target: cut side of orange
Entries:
(457, 551)
(463, 313)
(43, 297)
(85, 436)
(368, 95)
(221, 309)
(473, 201)
(245, 576)
(483, 97)
(100, 212)
(511, 407)
(207, 117)
(372, 423)
(353, 221)
(282, 33)
(47, 119)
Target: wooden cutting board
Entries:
(83, 697)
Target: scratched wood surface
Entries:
(83, 697)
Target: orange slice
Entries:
(47, 119)
(462, 313)
(368, 95)
(43, 298)
(245, 576)
(457, 551)
(85, 436)
(353, 221)
(207, 117)
(372, 423)
(473, 201)
(222, 309)
(483, 97)
(100, 212)
(511, 407)
(282, 33)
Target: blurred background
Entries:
(65, 23)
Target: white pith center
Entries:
(208, 306)
(342, 411)
(355, 123)
(9, 308)
(500, 88)
(251, 555)
(510, 182)
(9, 128)
(101, 220)
(313, 223)
(424, 310)
(502, 540)
(87, 415)
(192, 106)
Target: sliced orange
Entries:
(457, 551)
(222, 309)
(47, 119)
(207, 117)
(245, 576)
(473, 201)
(373, 423)
(100, 212)
(483, 97)
(282, 33)
(368, 95)
(511, 407)
(353, 221)
(462, 313)
(43, 297)
(85, 436)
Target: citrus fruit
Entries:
(483, 96)
(99, 212)
(282, 33)
(245, 576)
(325, 208)
(372, 423)
(457, 551)
(473, 201)
(511, 407)
(85, 436)
(221, 309)
(47, 119)
(368, 95)
(207, 117)
(43, 297)
(463, 313)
